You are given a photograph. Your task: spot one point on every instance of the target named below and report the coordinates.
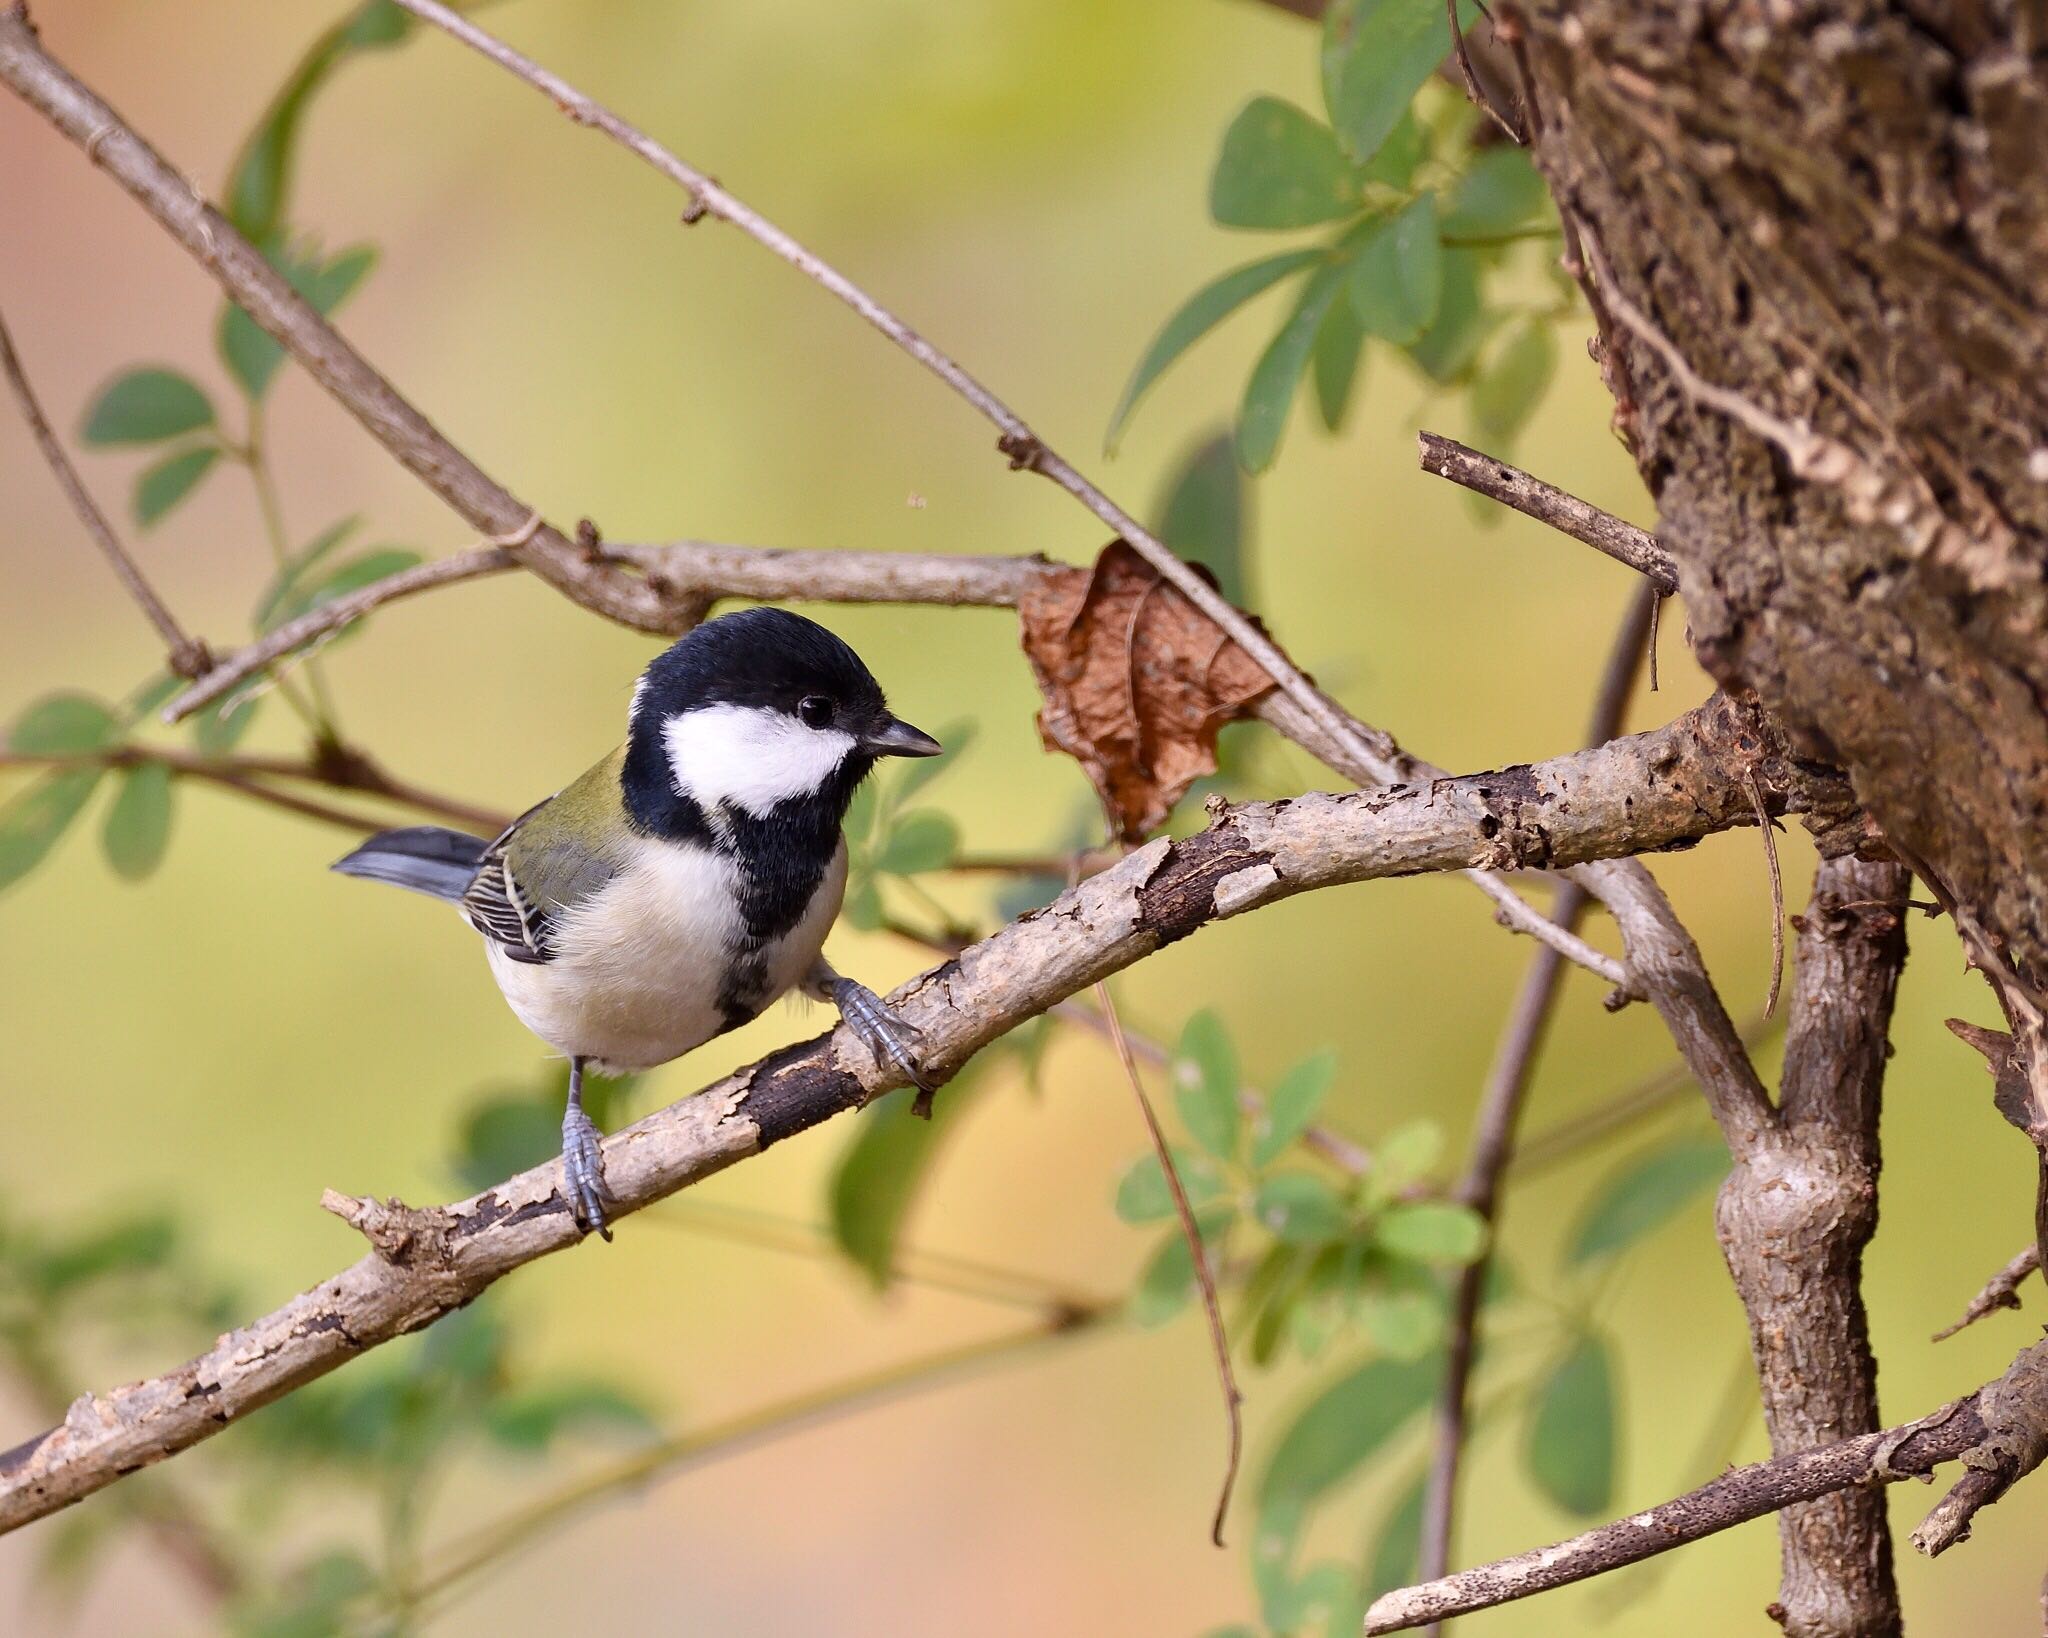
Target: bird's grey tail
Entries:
(425, 858)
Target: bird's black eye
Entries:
(815, 711)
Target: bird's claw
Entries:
(884, 1033)
(583, 1172)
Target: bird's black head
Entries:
(753, 714)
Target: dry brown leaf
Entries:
(1136, 681)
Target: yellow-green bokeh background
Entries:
(1024, 179)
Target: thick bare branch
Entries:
(1978, 1429)
(240, 269)
(1794, 1218)
(1659, 789)
(188, 656)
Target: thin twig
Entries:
(1500, 1112)
(2002, 1290)
(250, 775)
(188, 656)
(1340, 1151)
(1024, 448)
(1198, 1257)
(1546, 503)
(690, 571)
(1480, 97)
(913, 1265)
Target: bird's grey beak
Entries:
(897, 738)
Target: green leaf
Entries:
(863, 908)
(1143, 1197)
(919, 771)
(1645, 1193)
(146, 407)
(1262, 416)
(1280, 168)
(1333, 1435)
(503, 1136)
(1300, 1208)
(1404, 150)
(1205, 1083)
(138, 827)
(531, 1421)
(72, 1550)
(1431, 1231)
(309, 1603)
(1195, 318)
(1340, 345)
(1204, 515)
(1572, 1431)
(64, 725)
(1397, 278)
(1376, 56)
(130, 1245)
(1462, 322)
(31, 824)
(269, 612)
(146, 700)
(1326, 1599)
(1397, 1549)
(311, 592)
(168, 481)
(1501, 192)
(1403, 1156)
(1292, 1106)
(1405, 1322)
(923, 840)
(219, 727)
(1168, 1283)
(1508, 388)
(259, 185)
(877, 1178)
(250, 353)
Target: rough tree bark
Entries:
(1794, 1218)
(1836, 210)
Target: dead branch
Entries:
(1546, 503)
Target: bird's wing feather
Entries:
(549, 860)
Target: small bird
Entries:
(688, 879)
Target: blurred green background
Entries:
(1024, 180)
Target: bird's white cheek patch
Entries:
(749, 756)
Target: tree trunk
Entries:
(1837, 210)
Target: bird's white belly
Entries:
(639, 968)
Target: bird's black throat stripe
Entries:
(782, 856)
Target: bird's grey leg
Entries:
(582, 1160)
(880, 1028)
